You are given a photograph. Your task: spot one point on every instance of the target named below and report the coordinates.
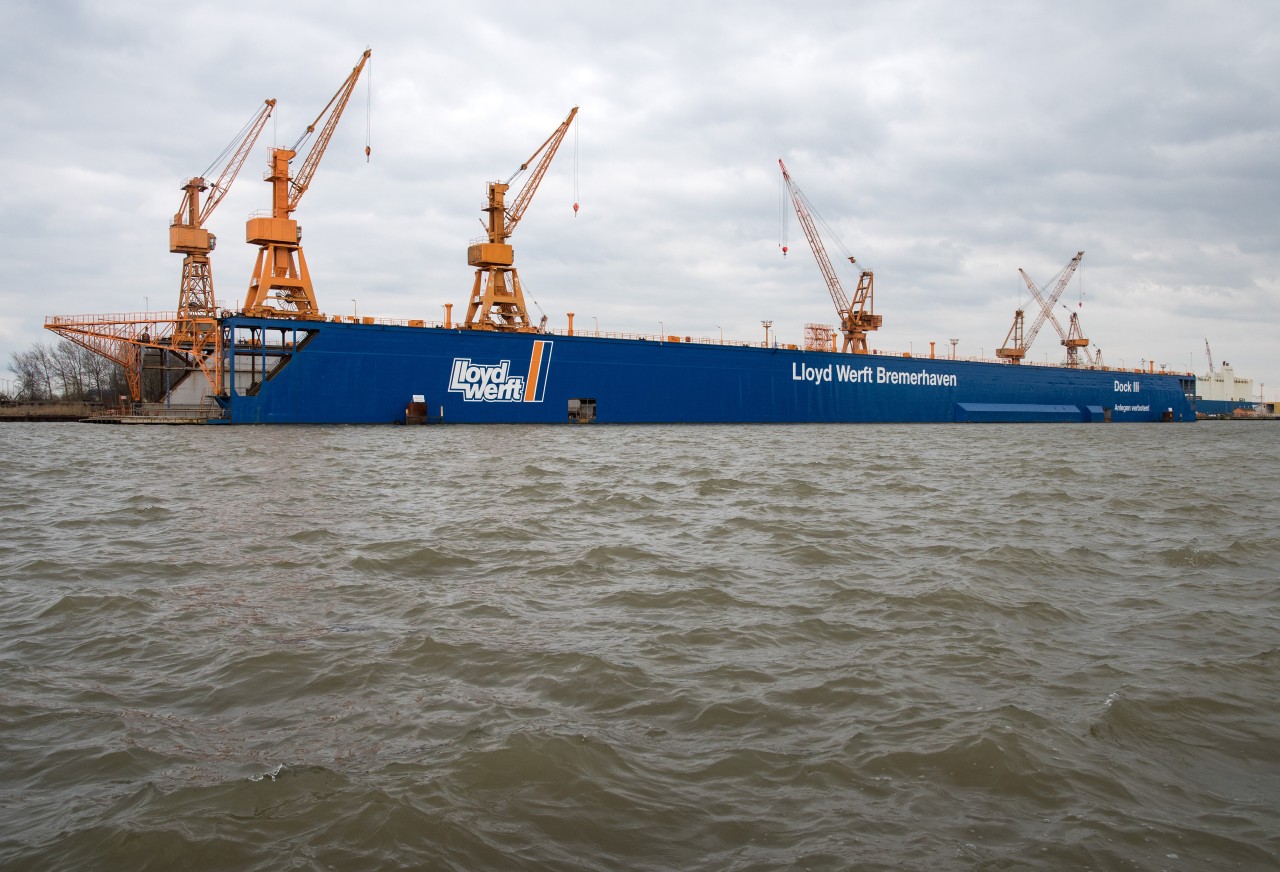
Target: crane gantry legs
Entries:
(497, 302)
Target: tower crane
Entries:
(281, 285)
(196, 326)
(1016, 342)
(497, 301)
(856, 318)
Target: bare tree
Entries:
(66, 371)
(66, 365)
(28, 366)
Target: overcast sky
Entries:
(946, 144)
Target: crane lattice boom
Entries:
(804, 212)
(1046, 306)
(337, 103)
(231, 160)
(548, 150)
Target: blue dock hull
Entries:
(1222, 407)
(294, 372)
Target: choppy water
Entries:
(653, 648)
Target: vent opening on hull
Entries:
(418, 412)
(582, 410)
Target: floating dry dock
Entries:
(287, 371)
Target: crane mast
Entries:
(1018, 341)
(1074, 341)
(856, 318)
(196, 325)
(281, 284)
(497, 300)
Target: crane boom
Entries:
(805, 214)
(334, 109)
(497, 300)
(1208, 354)
(548, 150)
(855, 319)
(281, 284)
(186, 234)
(238, 155)
(1046, 306)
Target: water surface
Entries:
(666, 648)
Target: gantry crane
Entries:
(497, 301)
(856, 318)
(196, 327)
(1016, 343)
(281, 284)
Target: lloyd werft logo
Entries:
(494, 383)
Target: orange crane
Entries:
(856, 318)
(196, 327)
(281, 285)
(193, 330)
(1074, 341)
(1072, 338)
(497, 301)
(1016, 342)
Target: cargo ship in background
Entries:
(1221, 392)
(280, 360)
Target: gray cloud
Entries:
(946, 144)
